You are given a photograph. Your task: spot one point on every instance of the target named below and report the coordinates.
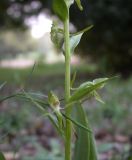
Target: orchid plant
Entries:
(71, 120)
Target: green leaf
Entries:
(77, 123)
(74, 41)
(97, 97)
(60, 8)
(98, 80)
(87, 88)
(76, 37)
(79, 4)
(35, 102)
(73, 79)
(82, 31)
(2, 156)
(59, 130)
(41, 101)
(85, 148)
(2, 85)
(69, 2)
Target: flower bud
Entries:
(53, 101)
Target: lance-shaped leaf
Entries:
(97, 97)
(79, 4)
(87, 88)
(46, 113)
(78, 124)
(85, 148)
(60, 8)
(82, 31)
(76, 37)
(58, 129)
(2, 156)
(73, 79)
(74, 41)
(22, 95)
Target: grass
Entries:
(20, 75)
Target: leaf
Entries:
(77, 123)
(76, 37)
(22, 95)
(73, 79)
(60, 8)
(87, 88)
(34, 102)
(2, 156)
(44, 111)
(74, 41)
(97, 97)
(85, 148)
(69, 2)
(2, 85)
(98, 80)
(79, 4)
(59, 130)
(82, 31)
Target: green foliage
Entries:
(50, 106)
(69, 2)
(117, 108)
(74, 41)
(85, 148)
(79, 4)
(2, 156)
(18, 76)
(60, 8)
(87, 88)
(80, 125)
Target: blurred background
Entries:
(29, 60)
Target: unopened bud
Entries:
(53, 101)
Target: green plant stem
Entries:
(67, 90)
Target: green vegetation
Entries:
(67, 112)
(73, 97)
(117, 108)
(42, 70)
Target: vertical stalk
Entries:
(67, 89)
